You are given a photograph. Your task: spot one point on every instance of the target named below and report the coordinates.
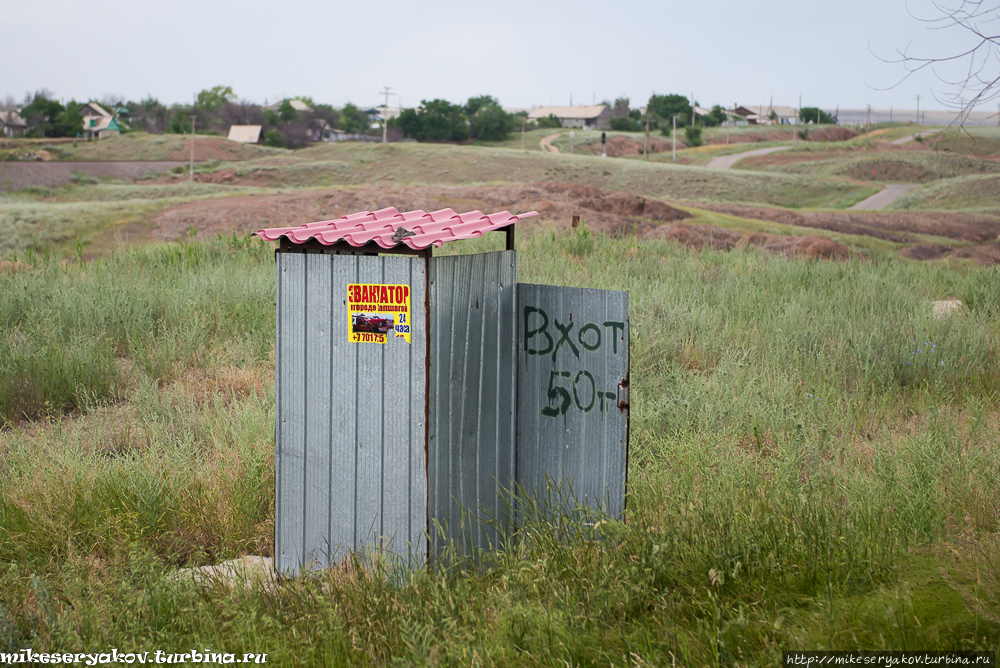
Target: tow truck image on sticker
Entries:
(378, 312)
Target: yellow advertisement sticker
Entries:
(377, 312)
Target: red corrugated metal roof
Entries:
(381, 227)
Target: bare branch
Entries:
(978, 80)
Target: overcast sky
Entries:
(526, 53)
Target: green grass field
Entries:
(813, 465)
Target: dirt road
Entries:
(546, 143)
(17, 175)
(884, 197)
(727, 161)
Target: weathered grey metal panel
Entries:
(343, 416)
(350, 438)
(290, 411)
(471, 439)
(573, 362)
(317, 404)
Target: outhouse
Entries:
(415, 393)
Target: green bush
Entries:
(692, 135)
(624, 124)
(274, 139)
(550, 121)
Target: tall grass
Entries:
(804, 473)
(74, 332)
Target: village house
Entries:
(583, 116)
(98, 123)
(12, 125)
(767, 114)
(297, 105)
(320, 130)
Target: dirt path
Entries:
(909, 138)
(17, 175)
(546, 143)
(727, 161)
(884, 197)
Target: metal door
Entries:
(470, 456)
(350, 414)
(573, 387)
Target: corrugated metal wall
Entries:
(471, 441)
(349, 441)
(573, 361)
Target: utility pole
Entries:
(522, 132)
(890, 113)
(797, 116)
(191, 170)
(385, 114)
(645, 146)
(673, 151)
(918, 109)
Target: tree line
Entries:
(481, 117)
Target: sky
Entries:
(524, 52)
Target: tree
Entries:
(241, 113)
(408, 121)
(971, 75)
(180, 121)
(714, 118)
(475, 103)
(68, 122)
(692, 135)
(47, 118)
(436, 120)
(325, 112)
(353, 120)
(665, 107)
(286, 112)
(491, 123)
(816, 115)
(213, 98)
(148, 115)
(620, 108)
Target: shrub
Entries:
(625, 124)
(550, 121)
(274, 138)
(692, 135)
